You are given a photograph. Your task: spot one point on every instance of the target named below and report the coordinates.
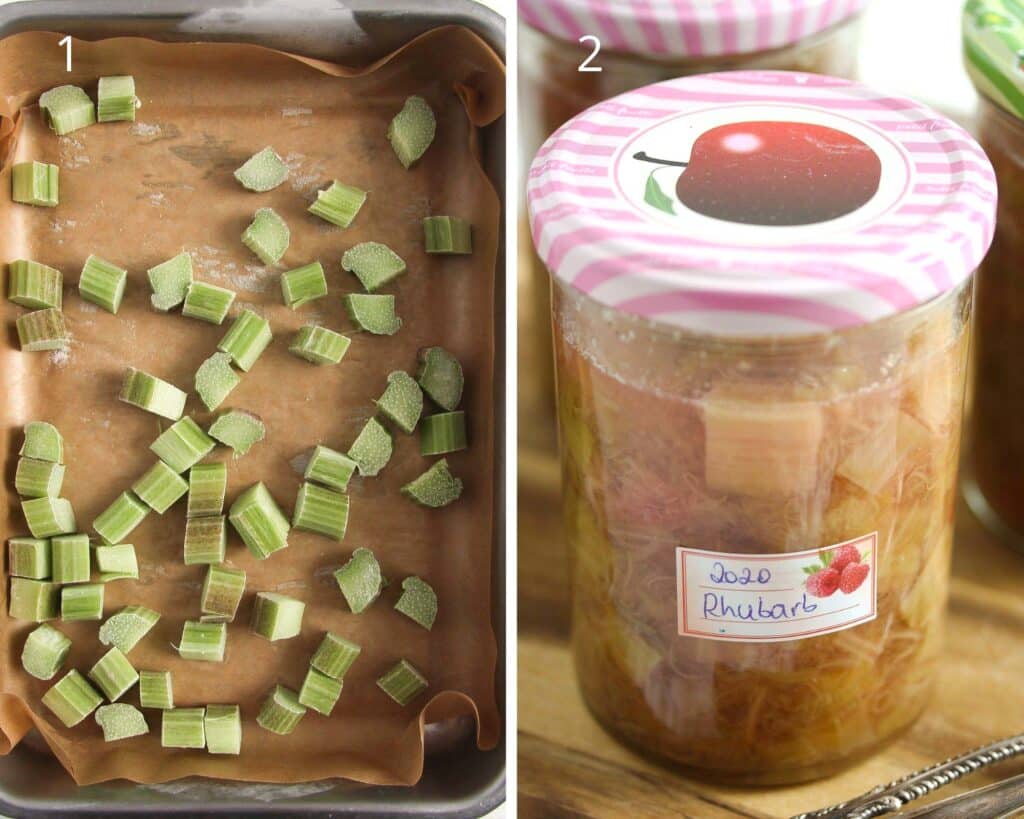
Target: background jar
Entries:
(994, 482)
(552, 90)
(764, 386)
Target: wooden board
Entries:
(568, 766)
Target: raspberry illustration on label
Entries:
(823, 583)
(770, 173)
(839, 569)
(853, 577)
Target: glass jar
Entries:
(760, 390)
(994, 483)
(759, 447)
(552, 90)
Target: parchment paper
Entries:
(137, 194)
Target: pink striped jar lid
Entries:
(682, 29)
(761, 203)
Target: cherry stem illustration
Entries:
(643, 157)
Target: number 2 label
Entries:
(585, 66)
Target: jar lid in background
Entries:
(684, 29)
(994, 50)
(755, 203)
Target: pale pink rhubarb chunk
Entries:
(933, 393)
(761, 449)
(872, 461)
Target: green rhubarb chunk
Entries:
(403, 683)
(145, 391)
(330, 468)
(447, 234)
(223, 725)
(103, 283)
(206, 540)
(320, 692)
(321, 510)
(418, 602)
(113, 674)
(207, 302)
(412, 130)
(223, 588)
(246, 339)
(38, 479)
(41, 331)
(263, 171)
(81, 602)
(35, 600)
(373, 313)
(360, 580)
(35, 183)
(215, 379)
(207, 486)
(43, 442)
(203, 641)
(303, 284)
(239, 430)
(121, 721)
(160, 488)
(339, 204)
(319, 345)
(443, 433)
(72, 561)
(115, 99)
(29, 557)
(47, 517)
(440, 376)
(183, 444)
(119, 519)
(125, 629)
(268, 236)
(276, 616)
(374, 264)
(335, 655)
(169, 281)
(183, 728)
(435, 488)
(372, 448)
(34, 285)
(116, 562)
(72, 699)
(259, 521)
(44, 652)
(67, 108)
(156, 690)
(402, 401)
(281, 711)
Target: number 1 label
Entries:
(66, 42)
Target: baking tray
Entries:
(459, 781)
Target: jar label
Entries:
(770, 598)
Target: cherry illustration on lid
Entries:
(771, 173)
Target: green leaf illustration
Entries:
(654, 196)
(826, 558)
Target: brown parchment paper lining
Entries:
(139, 193)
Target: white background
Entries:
(909, 47)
